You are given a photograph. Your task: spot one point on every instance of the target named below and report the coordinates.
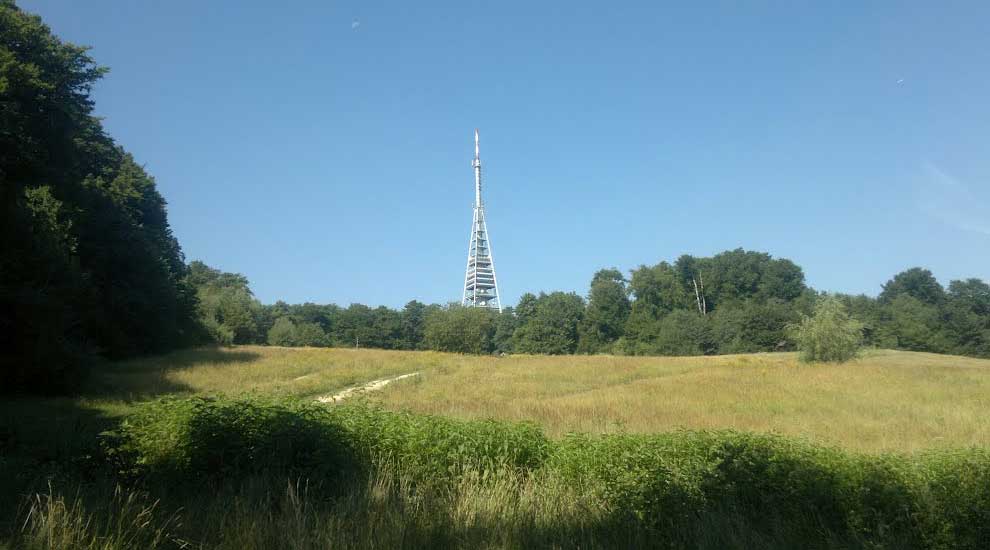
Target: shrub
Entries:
(282, 333)
(830, 334)
(460, 329)
(200, 437)
(233, 437)
(673, 490)
(430, 448)
(684, 332)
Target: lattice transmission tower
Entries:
(480, 284)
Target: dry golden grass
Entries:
(295, 371)
(886, 400)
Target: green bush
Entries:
(232, 437)
(190, 439)
(672, 490)
(829, 335)
(426, 447)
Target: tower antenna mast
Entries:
(480, 283)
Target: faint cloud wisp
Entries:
(952, 202)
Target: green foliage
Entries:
(90, 265)
(917, 283)
(282, 333)
(684, 332)
(967, 317)
(910, 324)
(413, 320)
(287, 333)
(435, 449)
(663, 490)
(460, 329)
(223, 437)
(608, 308)
(186, 440)
(310, 334)
(505, 326)
(753, 326)
(226, 305)
(829, 335)
(658, 290)
(743, 275)
(551, 327)
(681, 332)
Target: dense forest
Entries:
(90, 269)
(734, 302)
(88, 264)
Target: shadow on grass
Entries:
(148, 377)
(44, 441)
(55, 440)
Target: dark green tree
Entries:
(226, 305)
(915, 282)
(413, 319)
(552, 327)
(505, 327)
(460, 329)
(753, 326)
(88, 263)
(911, 324)
(608, 309)
(683, 332)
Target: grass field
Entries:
(892, 405)
(886, 400)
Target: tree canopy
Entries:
(89, 263)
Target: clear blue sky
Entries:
(323, 148)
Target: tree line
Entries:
(89, 267)
(737, 301)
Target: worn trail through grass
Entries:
(374, 385)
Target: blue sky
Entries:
(323, 148)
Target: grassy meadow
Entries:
(420, 463)
(886, 400)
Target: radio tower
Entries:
(480, 285)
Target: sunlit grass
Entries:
(885, 400)
(289, 371)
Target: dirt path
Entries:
(374, 385)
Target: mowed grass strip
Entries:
(886, 400)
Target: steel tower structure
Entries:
(480, 284)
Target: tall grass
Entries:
(883, 400)
(476, 452)
(678, 490)
(499, 509)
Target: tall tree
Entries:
(226, 305)
(607, 311)
(460, 329)
(88, 263)
(915, 282)
(552, 327)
